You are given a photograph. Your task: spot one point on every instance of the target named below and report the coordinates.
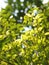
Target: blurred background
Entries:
(3, 4)
(18, 8)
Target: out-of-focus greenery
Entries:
(18, 8)
(20, 47)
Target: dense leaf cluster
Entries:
(21, 47)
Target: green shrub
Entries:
(20, 47)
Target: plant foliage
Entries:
(21, 47)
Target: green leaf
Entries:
(47, 33)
